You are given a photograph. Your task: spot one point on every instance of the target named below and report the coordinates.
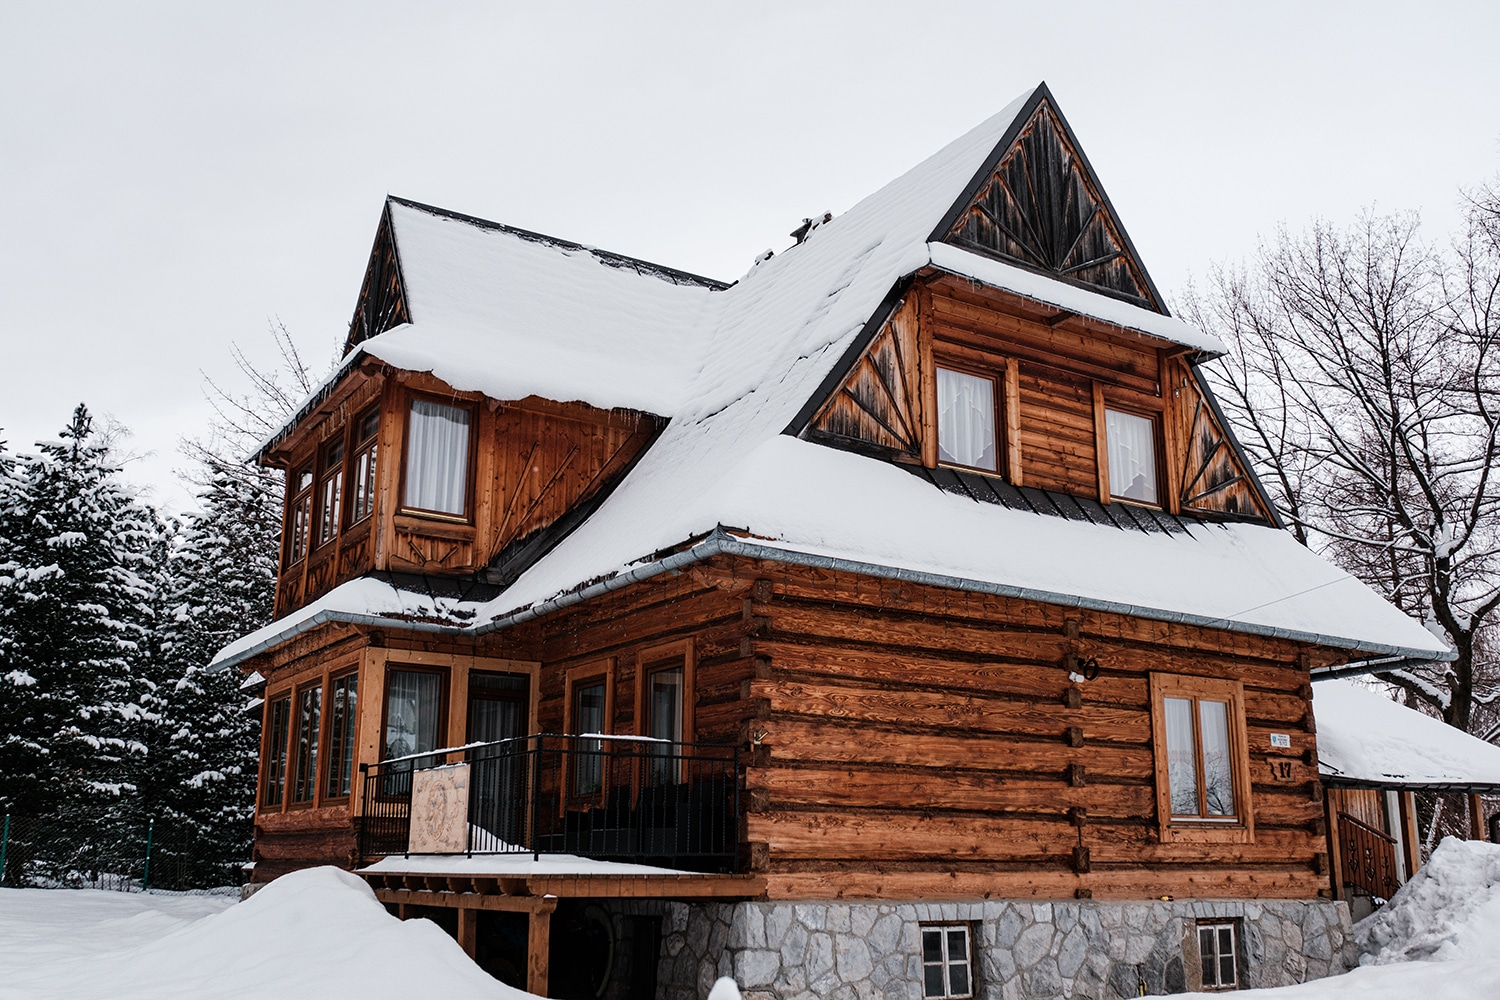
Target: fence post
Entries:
(4, 845)
(146, 875)
(536, 795)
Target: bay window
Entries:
(330, 491)
(273, 777)
(343, 710)
(299, 514)
(437, 458)
(362, 468)
(309, 729)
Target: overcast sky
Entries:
(173, 176)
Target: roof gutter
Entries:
(1379, 665)
(721, 542)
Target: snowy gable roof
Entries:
(1365, 738)
(513, 314)
(752, 356)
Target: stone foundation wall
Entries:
(1022, 950)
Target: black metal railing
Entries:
(612, 798)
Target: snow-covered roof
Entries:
(1365, 738)
(513, 315)
(759, 352)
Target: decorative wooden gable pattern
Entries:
(879, 406)
(1042, 207)
(1213, 476)
(382, 297)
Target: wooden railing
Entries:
(1369, 857)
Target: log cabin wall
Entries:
(530, 462)
(920, 743)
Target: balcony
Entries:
(610, 798)
(1369, 858)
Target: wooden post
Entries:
(1476, 816)
(928, 374)
(538, 942)
(1409, 832)
(1335, 855)
(1013, 421)
(1101, 444)
(468, 929)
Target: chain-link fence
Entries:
(157, 855)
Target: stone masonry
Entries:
(1022, 950)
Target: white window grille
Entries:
(946, 970)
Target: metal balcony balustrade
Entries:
(610, 798)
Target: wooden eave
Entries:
(278, 454)
(520, 892)
(1045, 314)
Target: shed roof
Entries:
(1366, 739)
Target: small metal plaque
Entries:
(1281, 740)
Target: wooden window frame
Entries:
(469, 485)
(291, 555)
(1236, 938)
(1239, 829)
(584, 675)
(294, 734)
(1106, 401)
(358, 448)
(663, 656)
(268, 730)
(998, 376)
(444, 680)
(944, 929)
(333, 678)
(338, 473)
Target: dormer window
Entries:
(966, 420)
(1132, 456)
(437, 459)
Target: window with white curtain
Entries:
(1132, 456)
(437, 458)
(413, 713)
(966, 419)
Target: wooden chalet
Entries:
(813, 627)
(1374, 756)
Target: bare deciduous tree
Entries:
(1364, 380)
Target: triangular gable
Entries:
(1216, 477)
(1038, 204)
(382, 296)
(878, 406)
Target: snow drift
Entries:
(1450, 910)
(1435, 939)
(309, 935)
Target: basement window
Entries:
(946, 966)
(1216, 946)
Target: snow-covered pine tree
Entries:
(224, 580)
(76, 616)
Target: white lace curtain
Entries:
(412, 710)
(966, 419)
(437, 457)
(1132, 456)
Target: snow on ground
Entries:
(1436, 939)
(310, 935)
